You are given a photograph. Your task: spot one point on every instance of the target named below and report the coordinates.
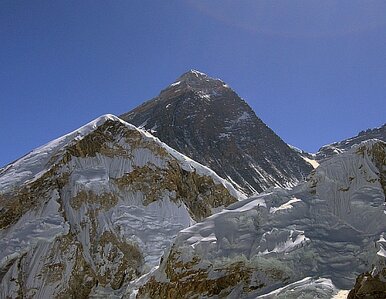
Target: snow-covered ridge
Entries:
(34, 164)
(331, 227)
(31, 165)
(97, 207)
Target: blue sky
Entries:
(314, 71)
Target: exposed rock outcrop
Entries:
(369, 286)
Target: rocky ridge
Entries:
(205, 119)
(333, 149)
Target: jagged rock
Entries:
(206, 120)
(369, 286)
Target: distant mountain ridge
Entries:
(330, 150)
(206, 120)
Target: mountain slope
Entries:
(96, 208)
(330, 150)
(206, 120)
(315, 238)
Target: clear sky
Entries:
(314, 71)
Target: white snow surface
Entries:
(34, 227)
(308, 287)
(313, 162)
(323, 233)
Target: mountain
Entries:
(308, 242)
(110, 211)
(335, 148)
(86, 213)
(206, 120)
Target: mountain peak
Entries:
(206, 120)
(194, 78)
(193, 74)
(198, 81)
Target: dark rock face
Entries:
(369, 286)
(330, 150)
(206, 120)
